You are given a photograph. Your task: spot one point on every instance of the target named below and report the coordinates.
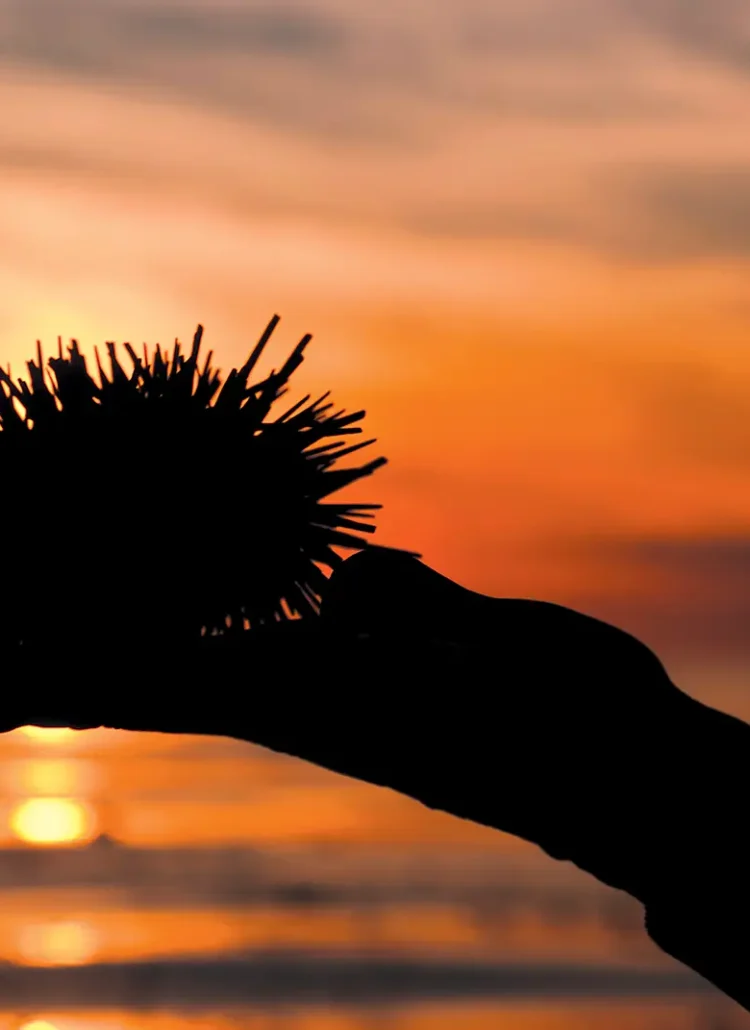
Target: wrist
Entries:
(672, 820)
(697, 898)
(629, 810)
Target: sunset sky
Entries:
(519, 232)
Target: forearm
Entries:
(668, 827)
(666, 823)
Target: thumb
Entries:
(379, 589)
(373, 589)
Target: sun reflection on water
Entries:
(47, 820)
(57, 944)
(51, 777)
(47, 734)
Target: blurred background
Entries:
(519, 231)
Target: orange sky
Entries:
(522, 243)
(524, 251)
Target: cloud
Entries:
(85, 33)
(689, 212)
(719, 30)
(695, 597)
(653, 214)
(585, 123)
(717, 567)
(301, 32)
(692, 408)
(265, 61)
(316, 65)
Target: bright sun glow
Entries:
(52, 821)
(47, 734)
(38, 1024)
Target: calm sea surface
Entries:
(173, 883)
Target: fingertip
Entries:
(374, 562)
(367, 581)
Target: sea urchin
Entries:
(164, 502)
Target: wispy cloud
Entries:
(719, 31)
(693, 596)
(688, 212)
(582, 123)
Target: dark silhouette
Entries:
(521, 715)
(518, 714)
(169, 475)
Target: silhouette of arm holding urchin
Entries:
(518, 714)
(565, 731)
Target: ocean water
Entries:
(591, 1015)
(171, 883)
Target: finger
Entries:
(357, 593)
(379, 590)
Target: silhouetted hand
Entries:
(568, 732)
(539, 717)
